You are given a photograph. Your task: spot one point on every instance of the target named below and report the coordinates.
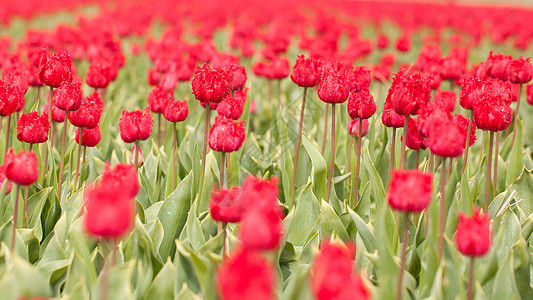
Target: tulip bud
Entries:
(306, 72)
(135, 125)
(226, 135)
(361, 104)
(90, 136)
(88, 115)
(140, 158)
(410, 191)
(225, 205)
(33, 128)
(520, 70)
(10, 97)
(353, 127)
(245, 274)
(232, 107)
(21, 168)
(473, 236)
(69, 96)
(54, 69)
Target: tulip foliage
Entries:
(265, 150)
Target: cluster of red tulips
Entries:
(333, 58)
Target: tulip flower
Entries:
(306, 74)
(361, 106)
(261, 227)
(135, 126)
(409, 191)
(226, 136)
(473, 239)
(175, 111)
(90, 137)
(471, 87)
(22, 169)
(390, 118)
(519, 71)
(157, 100)
(10, 97)
(246, 275)
(333, 275)
(334, 88)
(98, 76)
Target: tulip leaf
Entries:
(319, 167)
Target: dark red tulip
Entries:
(361, 104)
(473, 236)
(33, 128)
(306, 72)
(69, 96)
(88, 115)
(22, 168)
(226, 135)
(225, 205)
(410, 191)
(135, 125)
(90, 137)
(54, 69)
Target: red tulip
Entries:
(353, 127)
(10, 96)
(225, 205)
(446, 99)
(226, 135)
(463, 126)
(69, 96)
(361, 104)
(470, 89)
(246, 275)
(403, 43)
(158, 98)
(21, 168)
(90, 137)
(237, 77)
(333, 275)
(258, 192)
(389, 117)
(135, 125)
(210, 85)
(3, 177)
(334, 88)
(382, 41)
(446, 139)
(306, 72)
(98, 75)
(33, 128)
(58, 115)
(232, 107)
(409, 93)
(54, 69)
(176, 111)
(261, 227)
(410, 191)
(429, 116)
(123, 178)
(520, 70)
(88, 115)
(473, 236)
(17, 76)
(496, 66)
(359, 78)
(529, 94)
(415, 141)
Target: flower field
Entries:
(265, 150)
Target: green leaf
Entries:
(369, 239)
(515, 159)
(173, 215)
(163, 285)
(319, 167)
(306, 215)
(330, 223)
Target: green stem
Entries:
(404, 142)
(62, 157)
(332, 157)
(15, 217)
(297, 154)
